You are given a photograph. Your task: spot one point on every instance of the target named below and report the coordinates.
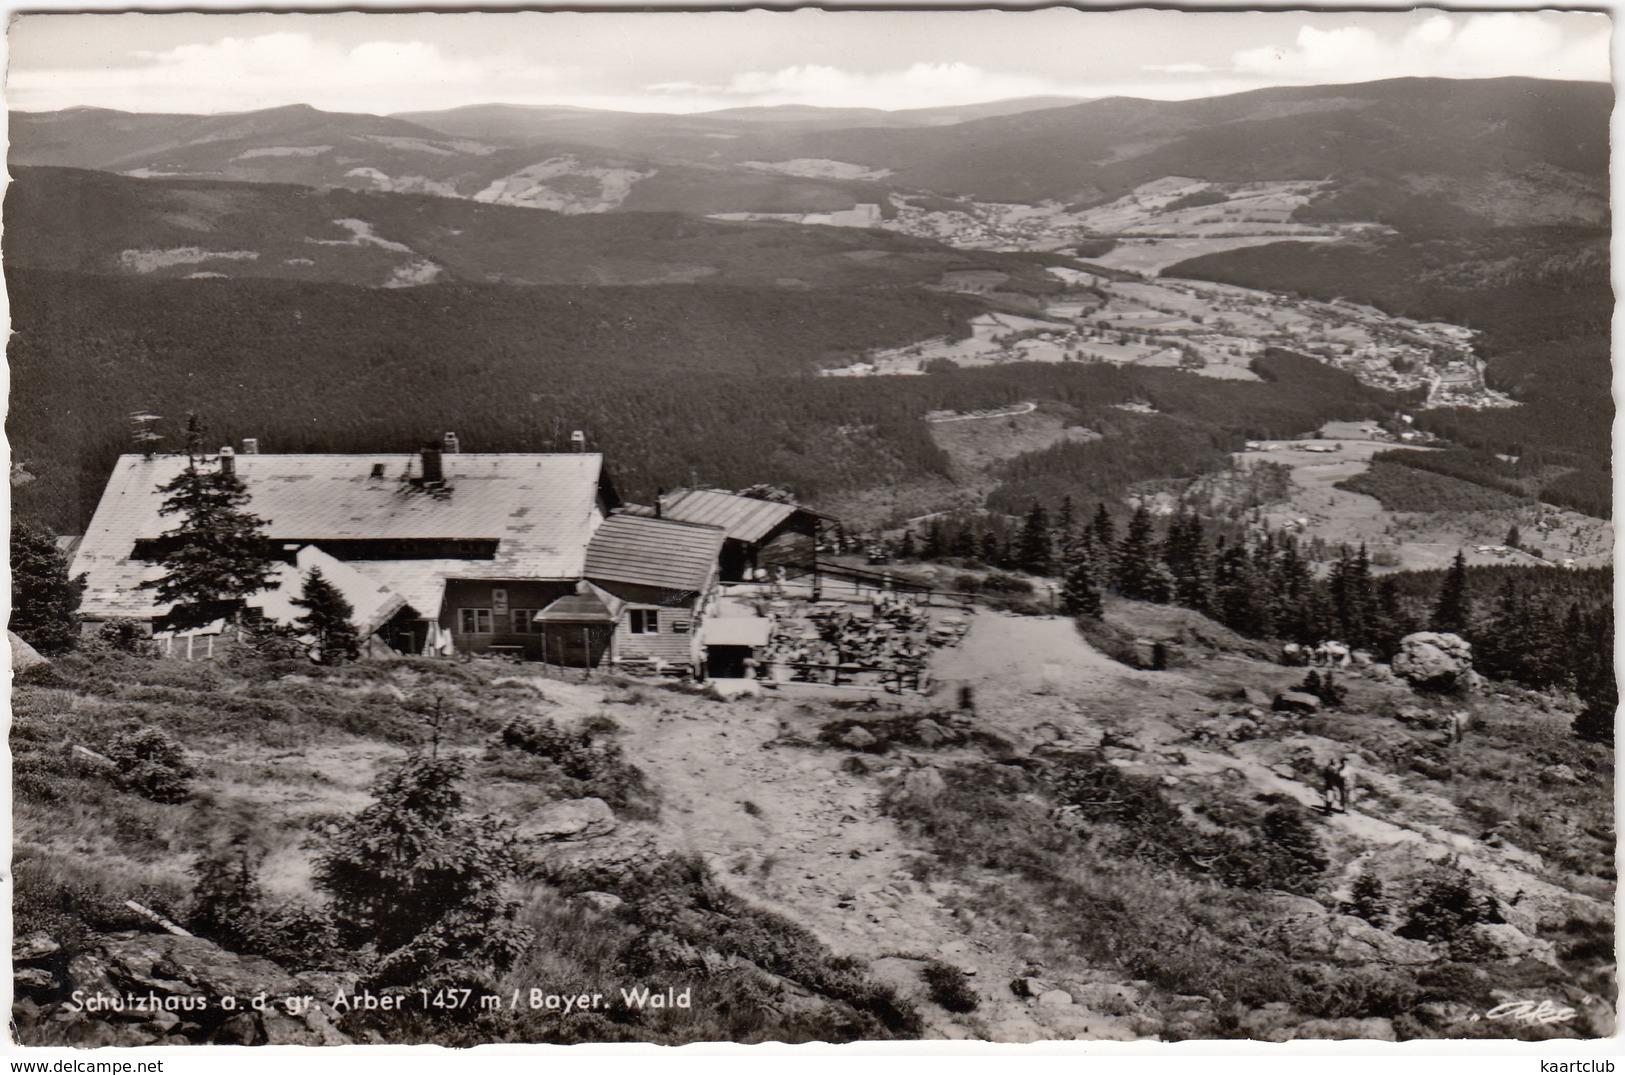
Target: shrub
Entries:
(1366, 899)
(225, 904)
(125, 636)
(413, 875)
(945, 984)
(150, 763)
(1445, 908)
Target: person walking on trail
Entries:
(1335, 786)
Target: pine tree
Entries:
(217, 555)
(44, 600)
(1452, 612)
(1514, 538)
(328, 617)
(1066, 529)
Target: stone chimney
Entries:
(451, 444)
(251, 446)
(228, 462)
(578, 441)
(433, 472)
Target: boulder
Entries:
(33, 980)
(1295, 702)
(1559, 774)
(598, 901)
(188, 966)
(1055, 998)
(1373, 1029)
(1254, 696)
(930, 733)
(858, 737)
(921, 786)
(22, 654)
(571, 819)
(1434, 661)
(33, 948)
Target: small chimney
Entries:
(660, 503)
(451, 444)
(578, 441)
(228, 462)
(433, 474)
(251, 446)
(377, 471)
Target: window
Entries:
(474, 621)
(645, 621)
(523, 621)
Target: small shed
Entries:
(577, 629)
(729, 641)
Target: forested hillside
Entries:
(676, 384)
(83, 221)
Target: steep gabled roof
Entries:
(540, 509)
(654, 552)
(744, 518)
(371, 602)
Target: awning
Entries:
(736, 631)
(591, 606)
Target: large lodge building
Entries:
(444, 552)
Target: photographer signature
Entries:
(1529, 1013)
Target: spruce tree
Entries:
(1453, 611)
(1032, 551)
(328, 617)
(217, 555)
(1080, 595)
(1137, 560)
(44, 600)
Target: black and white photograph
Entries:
(821, 526)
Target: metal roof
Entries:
(654, 552)
(540, 509)
(744, 518)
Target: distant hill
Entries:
(575, 165)
(1445, 154)
(1481, 146)
(85, 221)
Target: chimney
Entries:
(451, 444)
(660, 503)
(251, 446)
(228, 462)
(578, 441)
(433, 474)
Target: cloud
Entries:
(1474, 46)
(243, 73)
(1178, 68)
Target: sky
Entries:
(688, 62)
